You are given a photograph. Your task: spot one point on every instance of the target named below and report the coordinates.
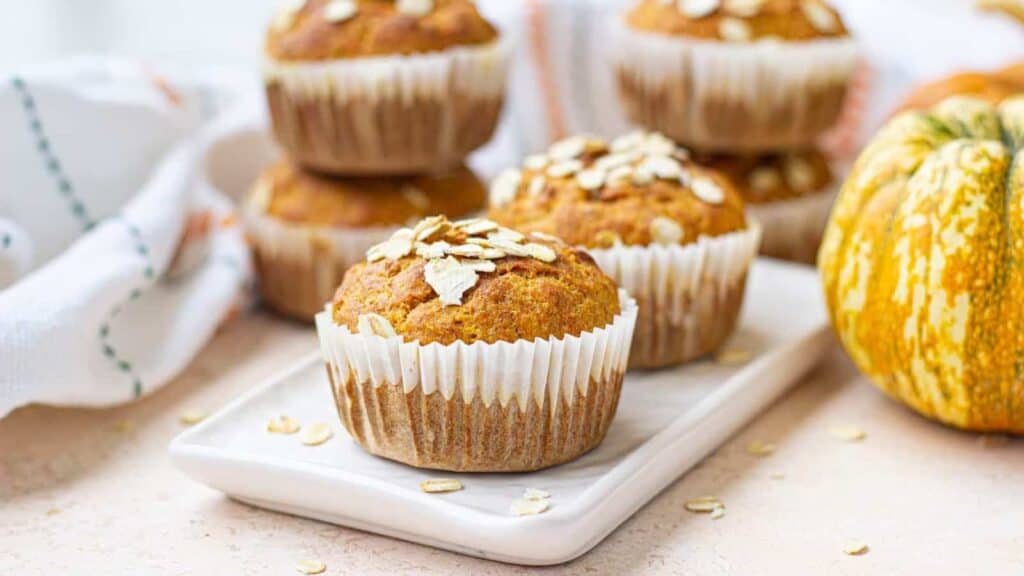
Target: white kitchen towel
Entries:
(117, 260)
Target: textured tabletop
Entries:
(82, 490)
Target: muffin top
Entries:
(311, 30)
(473, 281)
(771, 177)
(993, 87)
(739, 20)
(289, 193)
(639, 189)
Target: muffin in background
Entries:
(307, 229)
(992, 87)
(789, 194)
(361, 87)
(670, 232)
(470, 347)
(734, 75)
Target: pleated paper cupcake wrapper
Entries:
(478, 407)
(719, 96)
(391, 114)
(689, 297)
(793, 229)
(300, 267)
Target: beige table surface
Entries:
(80, 494)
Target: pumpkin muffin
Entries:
(470, 347)
(790, 195)
(375, 86)
(307, 229)
(669, 231)
(993, 87)
(735, 75)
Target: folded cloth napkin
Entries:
(117, 260)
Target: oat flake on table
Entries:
(855, 548)
(283, 425)
(310, 566)
(525, 507)
(761, 449)
(848, 433)
(316, 434)
(703, 504)
(192, 416)
(440, 485)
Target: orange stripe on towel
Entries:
(173, 97)
(537, 30)
(841, 141)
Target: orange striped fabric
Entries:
(173, 97)
(536, 21)
(841, 142)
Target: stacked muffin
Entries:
(376, 104)
(669, 231)
(750, 85)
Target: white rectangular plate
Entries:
(667, 422)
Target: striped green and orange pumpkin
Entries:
(923, 262)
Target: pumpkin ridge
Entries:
(988, 369)
(902, 131)
(1014, 391)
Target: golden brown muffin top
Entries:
(474, 281)
(310, 30)
(771, 177)
(739, 20)
(639, 189)
(993, 87)
(289, 193)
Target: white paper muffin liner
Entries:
(689, 296)
(478, 407)
(388, 114)
(300, 267)
(733, 96)
(793, 229)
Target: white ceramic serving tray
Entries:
(667, 422)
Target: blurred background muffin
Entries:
(307, 229)
(790, 194)
(735, 75)
(383, 87)
(479, 307)
(672, 233)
